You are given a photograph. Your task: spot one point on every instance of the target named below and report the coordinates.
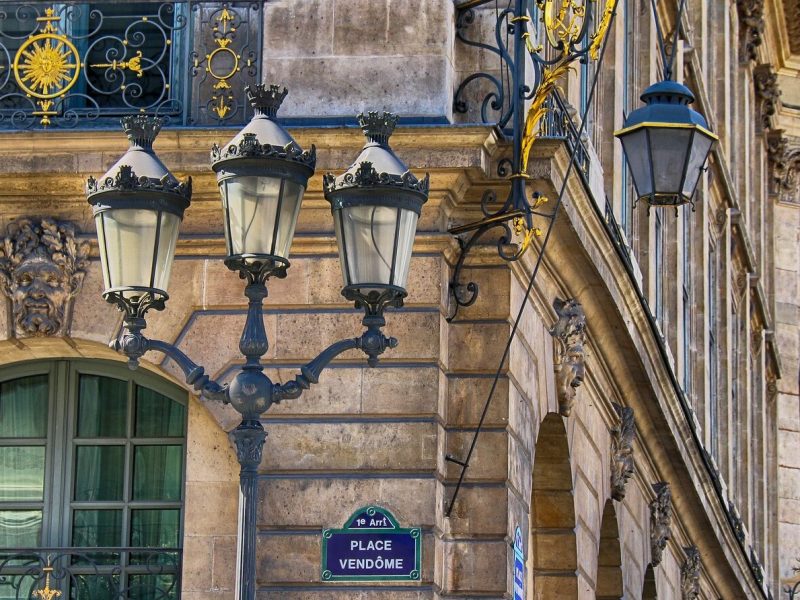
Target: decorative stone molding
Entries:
(42, 267)
(772, 388)
(736, 521)
(751, 27)
(783, 153)
(622, 467)
(660, 521)
(690, 574)
(768, 93)
(791, 10)
(569, 333)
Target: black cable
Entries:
(574, 154)
(659, 34)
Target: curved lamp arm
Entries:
(133, 344)
(372, 342)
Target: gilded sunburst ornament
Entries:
(47, 66)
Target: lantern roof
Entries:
(140, 171)
(263, 137)
(377, 166)
(667, 105)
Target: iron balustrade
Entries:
(127, 573)
(86, 64)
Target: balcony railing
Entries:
(90, 574)
(85, 64)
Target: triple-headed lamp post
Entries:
(262, 173)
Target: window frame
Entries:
(60, 446)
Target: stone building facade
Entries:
(645, 430)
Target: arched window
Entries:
(91, 481)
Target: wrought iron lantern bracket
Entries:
(568, 35)
(252, 392)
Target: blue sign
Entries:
(371, 547)
(519, 566)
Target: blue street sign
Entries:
(519, 566)
(371, 547)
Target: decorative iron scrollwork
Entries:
(122, 573)
(566, 26)
(226, 57)
(73, 64)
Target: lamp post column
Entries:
(249, 438)
(251, 394)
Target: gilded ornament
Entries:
(598, 36)
(47, 593)
(47, 65)
(221, 103)
(134, 64)
(563, 21)
(538, 108)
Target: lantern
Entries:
(138, 206)
(666, 144)
(375, 205)
(262, 175)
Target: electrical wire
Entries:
(465, 463)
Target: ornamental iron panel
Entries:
(90, 573)
(85, 64)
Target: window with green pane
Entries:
(92, 458)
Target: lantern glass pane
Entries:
(405, 243)
(290, 210)
(128, 237)
(670, 149)
(635, 146)
(701, 146)
(252, 204)
(166, 249)
(368, 234)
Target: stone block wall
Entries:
(347, 57)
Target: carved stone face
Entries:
(39, 291)
(575, 364)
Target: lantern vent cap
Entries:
(139, 171)
(667, 105)
(377, 166)
(263, 138)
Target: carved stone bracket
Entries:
(42, 267)
(622, 467)
(736, 521)
(767, 93)
(783, 153)
(751, 27)
(569, 333)
(690, 574)
(660, 521)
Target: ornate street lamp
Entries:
(666, 144)
(375, 206)
(138, 205)
(262, 175)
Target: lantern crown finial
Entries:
(378, 127)
(266, 100)
(141, 130)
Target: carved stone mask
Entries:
(41, 269)
(569, 332)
